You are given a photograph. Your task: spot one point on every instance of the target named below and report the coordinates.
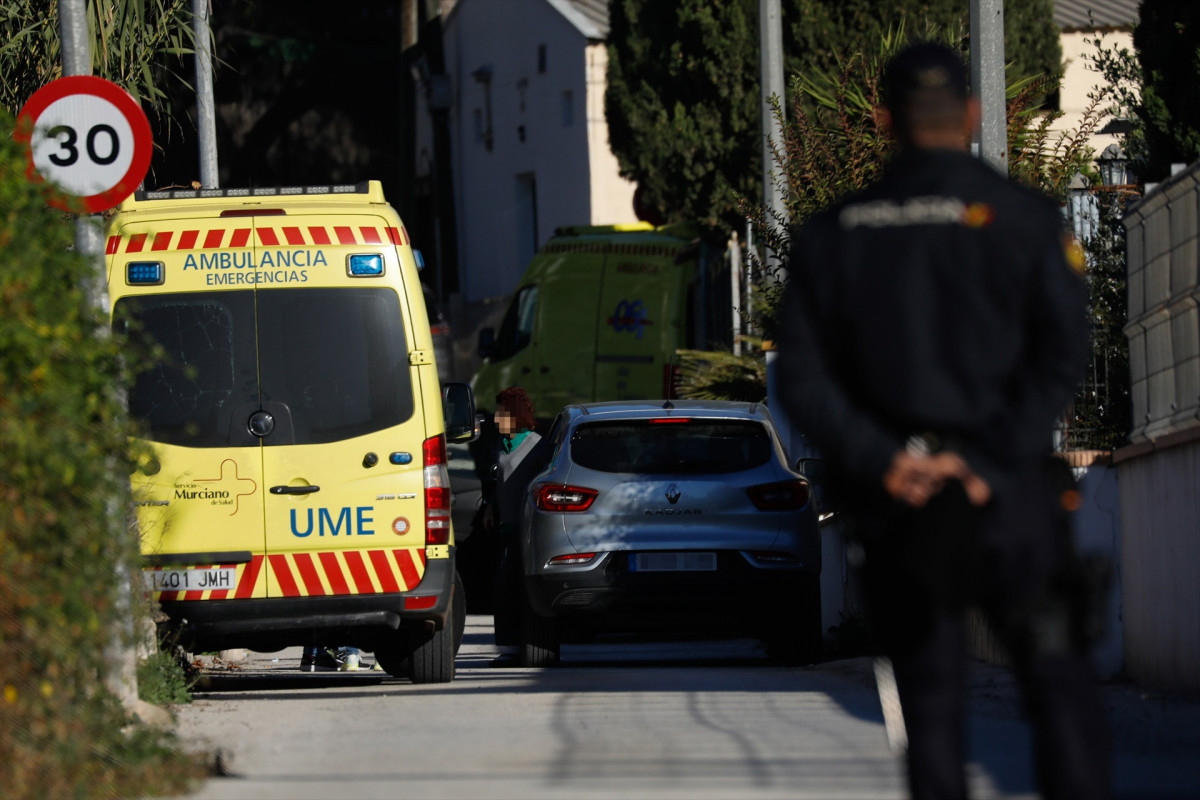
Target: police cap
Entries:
(923, 72)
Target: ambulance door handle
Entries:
(294, 489)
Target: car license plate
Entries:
(673, 562)
(191, 580)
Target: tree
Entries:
(64, 457)
(1167, 40)
(824, 30)
(683, 83)
(132, 43)
(682, 105)
(1153, 86)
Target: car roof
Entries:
(646, 409)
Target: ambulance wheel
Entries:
(431, 654)
(393, 654)
(540, 639)
(458, 609)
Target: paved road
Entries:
(678, 720)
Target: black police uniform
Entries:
(942, 306)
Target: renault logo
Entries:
(673, 494)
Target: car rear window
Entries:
(693, 446)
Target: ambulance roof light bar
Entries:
(261, 191)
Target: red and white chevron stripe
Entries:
(281, 236)
(344, 572)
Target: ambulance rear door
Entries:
(343, 411)
(641, 311)
(197, 485)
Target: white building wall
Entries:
(506, 37)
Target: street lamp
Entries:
(1114, 166)
(1082, 207)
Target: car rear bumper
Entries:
(268, 624)
(736, 591)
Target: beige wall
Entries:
(1080, 79)
(612, 195)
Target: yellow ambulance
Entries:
(599, 314)
(293, 487)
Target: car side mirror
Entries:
(812, 468)
(487, 337)
(458, 410)
(815, 470)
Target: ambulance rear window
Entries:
(328, 364)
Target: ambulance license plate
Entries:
(191, 580)
(673, 562)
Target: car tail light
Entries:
(572, 558)
(559, 497)
(782, 496)
(664, 420)
(437, 491)
(440, 329)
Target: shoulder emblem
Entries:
(1076, 259)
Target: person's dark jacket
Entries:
(943, 299)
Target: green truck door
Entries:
(640, 309)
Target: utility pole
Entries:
(987, 81)
(119, 656)
(206, 118)
(770, 30)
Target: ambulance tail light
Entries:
(145, 273)
(437, 491)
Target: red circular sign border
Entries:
(143, 145)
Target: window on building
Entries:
(541, 59)
(568, 108)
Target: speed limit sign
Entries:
(89, 138)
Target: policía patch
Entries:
(1074, 253)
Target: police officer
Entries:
(933, 330)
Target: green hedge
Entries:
(63, 466)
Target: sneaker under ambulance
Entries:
(292, 488)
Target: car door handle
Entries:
(544, 370)
(526, 370)
(294, 489)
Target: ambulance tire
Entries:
(795, 635)
(541, 640)
(458, 611)
(431, 655)
(393, 654)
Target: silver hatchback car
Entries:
(669, 518)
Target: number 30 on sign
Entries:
(87, 137)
